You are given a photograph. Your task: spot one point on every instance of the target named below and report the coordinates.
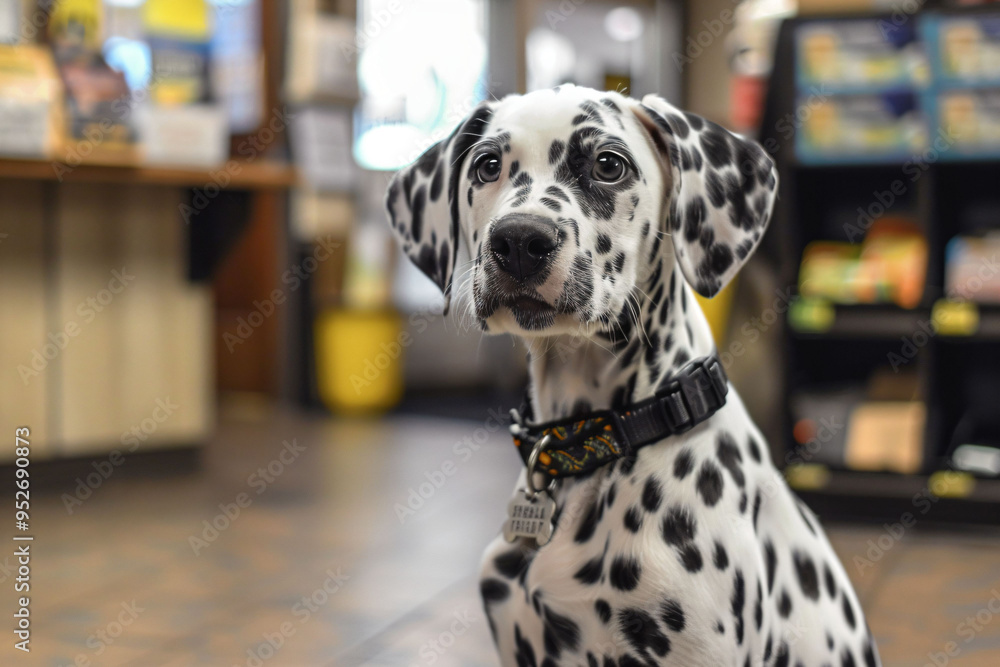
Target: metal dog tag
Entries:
(530, 517)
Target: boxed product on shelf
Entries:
(100, 126)
(889, 266)
(886, 435)
(858, 55)
(870, 126)
(971, 268)
(818, 419)
(963, 49)
(192, 135)
(969, 119)
(31, 102)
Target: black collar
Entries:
(583, 443)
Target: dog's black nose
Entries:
(522, 243)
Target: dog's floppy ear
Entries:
(720, 186)
(424, 203)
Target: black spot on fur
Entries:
(694, 216)
(603, 244)
(524, 654)
(715, 146)
(691, 558)
(754, 449)
(672, 615)
(720, 557)
(556, 192)
(709, 483)
(756, 508)
(781, 657)
(805, 571)
(642, 632)
(588, 525)
(560, 632)
(551, 204)
(848, 611)
(437, 184)
(625, 572)
(737, 603)
(493, 590)
(784, 604)
(417, 214)
(715, 190)
(831, 584)
(651, 495)
(556, 150)
(771, 562)
(603, 610)
(731, 458)
(683, 464)
(512, 563)
(758, 611)
(869, 654)
(590, 572)
(678, 526)
(633, 519)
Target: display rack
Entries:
(828, 343)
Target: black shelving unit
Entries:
(957, 366)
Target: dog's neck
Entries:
(575, 374)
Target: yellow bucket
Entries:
(359, 359)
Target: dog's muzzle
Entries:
(523, 244)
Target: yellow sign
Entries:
(951, 484)
(955, 318)
(807, 476)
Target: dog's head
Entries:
(566, 199)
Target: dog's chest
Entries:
(663, 561)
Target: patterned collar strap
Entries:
(582, 444)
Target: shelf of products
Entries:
(893, 244)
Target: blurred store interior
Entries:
(201, 302)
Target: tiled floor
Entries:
(322, 567)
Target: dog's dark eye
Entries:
(488, 168)
(609, 167)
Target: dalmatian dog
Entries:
(586, 220)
